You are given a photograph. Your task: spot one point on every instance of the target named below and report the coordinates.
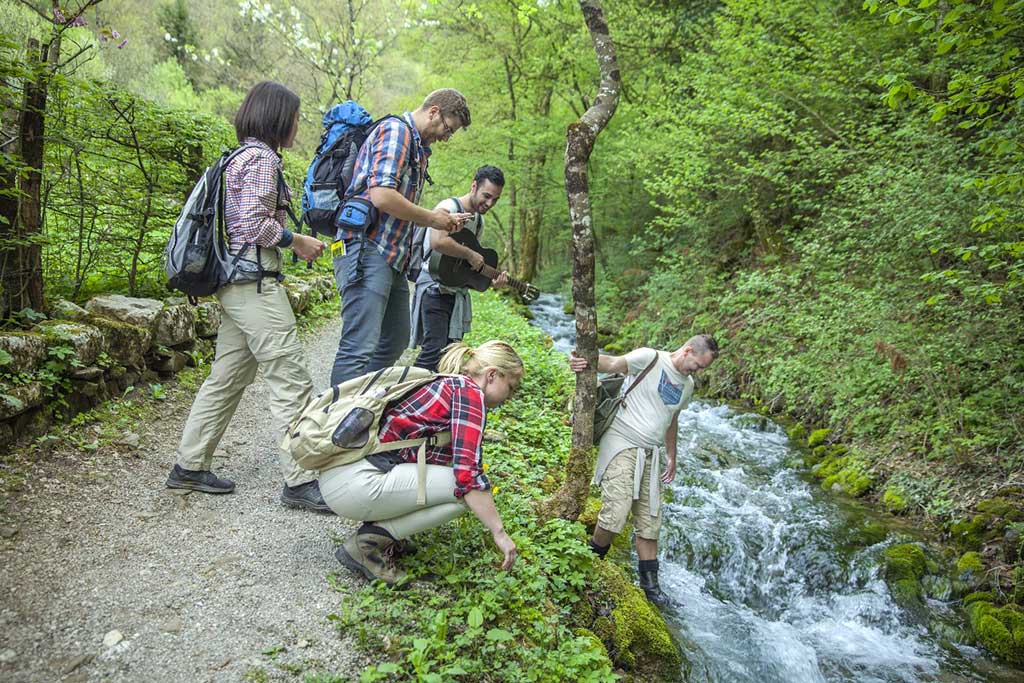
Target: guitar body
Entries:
(456, 272)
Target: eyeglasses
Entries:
(447, 129)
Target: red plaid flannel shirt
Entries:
(454, 403)
(253, 212)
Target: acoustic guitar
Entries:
(451, 271)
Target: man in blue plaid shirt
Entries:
(390, 171)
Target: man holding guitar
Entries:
(442, 314)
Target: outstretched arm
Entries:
(604, 363)
(482, 505)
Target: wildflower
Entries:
(485, 468)
(495, 490)
(121, 45)
(114, 35)
(59, 16)
(78, 21)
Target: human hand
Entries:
(670, 471)
(508, 547)
(442, 219)
(475, 260)
(307, 248)
(502, 279)
(577, 364)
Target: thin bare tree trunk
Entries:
(569, 500)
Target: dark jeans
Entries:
(435, 315)
(374, 312)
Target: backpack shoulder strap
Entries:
(640, 377)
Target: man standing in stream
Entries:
(629, 456)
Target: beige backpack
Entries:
(340, 425)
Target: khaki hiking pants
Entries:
(256, 330)
(361, 492)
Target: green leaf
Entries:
(499, 635)
(5, 358)
(475, 618)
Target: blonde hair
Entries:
(462, 359)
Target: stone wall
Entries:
(83, 356)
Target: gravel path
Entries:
(198, 587)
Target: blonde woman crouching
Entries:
(380, 490)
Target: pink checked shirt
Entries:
(253, 211)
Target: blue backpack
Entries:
(346, 127)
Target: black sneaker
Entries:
(198, 480)
(305, 496)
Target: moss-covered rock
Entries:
(999, 629)
(894, 499)
(796, 433)
(852, 480)
(1001, 507)
(26, 349)
(970, 533)
(904, 561)
(635, 633)
(818, 437)
(590, 509)
(86, 339)
(969, 562)
(976, 596)
(123, 342)
(872, 533)
(904, 567)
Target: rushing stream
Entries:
(766, 577)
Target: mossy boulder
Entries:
(999, 629)
(904, 567)
(796, 433)
(590, 509)
(968, 533)
(894, 499)
(818, 437)
(15, 399)
(872, 533)
(175, 325)
(207, 315)
(635, 635)
(126, 309)
(86, 339)
(852, 480)
(62, 309)
(976, 596)
(970, 562)
(26, 349)
(125, 343)
(1001, 507)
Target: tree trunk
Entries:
(21, 279)
(569, 500)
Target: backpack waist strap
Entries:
(439, 439)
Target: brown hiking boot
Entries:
(372, 554)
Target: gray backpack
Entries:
(610, 398)
(341, 425)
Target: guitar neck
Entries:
(492, 273)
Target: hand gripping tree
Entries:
(568, 501)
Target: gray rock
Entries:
(112, 638)
(87, 340)
(15, 399)
(134, 311)
(8, 531)
(207, 315)
(88, 373)
(174, 362)
(125, 343)
(131, 439)
(66, 665)
(7, 656)
(172, 625)
(299, 294)
(62, 309)
(175, 325)
(27, 350)
(1011, 545)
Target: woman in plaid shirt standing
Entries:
(257, 326)
(380, 490)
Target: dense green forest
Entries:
(832, 188)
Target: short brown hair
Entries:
(451, 103)
(703, 343)
(267, 114)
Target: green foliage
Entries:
(472, 620)
(999, 629)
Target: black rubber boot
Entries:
(648, 572)
(599, 550)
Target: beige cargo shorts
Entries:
(617, 497)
